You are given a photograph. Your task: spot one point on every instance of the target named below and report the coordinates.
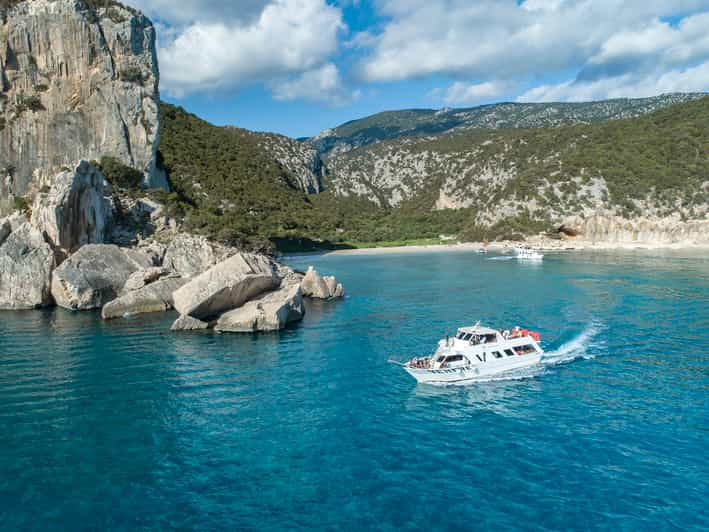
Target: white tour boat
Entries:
(524, 253)
(476, 352)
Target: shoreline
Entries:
(550, 245)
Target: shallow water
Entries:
(124, 425)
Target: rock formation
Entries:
(226, 286)
(154, 297)
(319, 287)
(75, 211)
(606, 227)
(190, 255)
(188, 323)
(95, 275)
(270, 311)
(76, 82)
(26, 263)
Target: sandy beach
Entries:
(540, 244)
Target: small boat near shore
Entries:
(474, 353)
(525, 253)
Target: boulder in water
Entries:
(154, 297)
(191, 255)
(271, 311)
(226, 286)
(318, 287)
(188, 323)
(95, 275)
(26, 264)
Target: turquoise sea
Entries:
(124, 425)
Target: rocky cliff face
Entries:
(76, 82)
(300, 160)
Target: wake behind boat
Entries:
(525, 253)
(476, 352)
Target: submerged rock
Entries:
(155, 297)
(26, 264)
(95, 275)
(271, 311)
(226, 286)
(75, 211)
(318, 287)
(188, 323)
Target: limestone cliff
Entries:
(76, 82)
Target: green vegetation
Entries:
(119, 174)
(41, 87)
(28, 103)
(2, 123)
(21, 204)
(131, 74)
(416, 122)
(227, 186)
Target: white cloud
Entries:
(504, 40)
(460, 93)
(319, 85)
(693, 79)
(287, 38)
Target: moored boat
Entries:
(477, 352)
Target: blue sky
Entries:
(299, 66)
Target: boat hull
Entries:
(474, 372)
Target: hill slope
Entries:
(656, 164)
(416, 122)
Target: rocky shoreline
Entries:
(65, 254)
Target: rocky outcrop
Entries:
(608, 228)
(141, 278)
(301, 161)
(26, 264)
(190, 255)
(77, 81)
(188, 323)
(226, 286)
(154, 297)
(271, 311)
(75, 211)
(318, 287)
(5, 230)
(95, 275)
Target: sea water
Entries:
(124, 425)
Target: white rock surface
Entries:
(190, 255)
(26, 264)
(141, 278)
(75, 211)
(188, 323)
(94, 74)
(155, 297)
(270, 311)
(95, 275)
(226, 286)
(318, 287)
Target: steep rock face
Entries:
(75, 82)
(226, 286)
(605, 227)
(300, 160)
(75, 211)
(95, 275)
(26, 263)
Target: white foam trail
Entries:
(574, 348)
(501, 258)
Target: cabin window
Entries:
(459, 336)
(467, 337)
(509, 352)
(496, 354)
(525, 349)
(454, 358)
